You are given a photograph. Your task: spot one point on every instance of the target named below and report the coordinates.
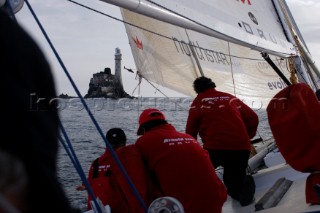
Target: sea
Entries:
(87, 143)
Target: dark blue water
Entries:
(88, 144)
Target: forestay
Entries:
(163, 53)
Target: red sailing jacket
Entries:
(131, 160)
(294, 118)
(109, 184)
(182, 169)
(222, 121)
(101, 184)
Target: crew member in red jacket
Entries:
(109, 184)
(225, 125)
(178, 165)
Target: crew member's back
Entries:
(180, 167)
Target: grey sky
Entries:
(86, 41)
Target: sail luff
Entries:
(147, 9)
(295, 37)
(308, 57)
(285, 22)
(293, 23)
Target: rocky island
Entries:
(106, 85)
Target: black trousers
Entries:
(234, 163)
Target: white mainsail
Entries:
(174, 55)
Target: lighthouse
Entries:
(117, 72)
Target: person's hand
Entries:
(81, 188)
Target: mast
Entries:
(294, 36)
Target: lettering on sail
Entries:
(257, 31)
(276, 85)
(202, 54)
(263, 66)
(260, 33)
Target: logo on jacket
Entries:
(173, 141)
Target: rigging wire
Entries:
(70, 151)
(139, 99)
(138, 85)
(140, 76)
(108, 145)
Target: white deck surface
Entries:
(292, 202)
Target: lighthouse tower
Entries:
(117, 73)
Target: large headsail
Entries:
(174, 56)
